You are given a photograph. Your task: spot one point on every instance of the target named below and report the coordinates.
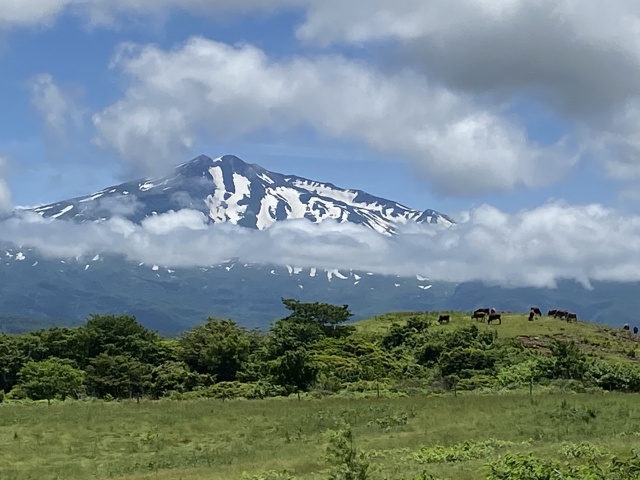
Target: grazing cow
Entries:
(494, 316)
(572, 316)
(536, 311)
(478, 315)
(552, 313)
(561, 314)
(635, 330)
(531, 315)
(443, 319)
(483, 310)
(626, 327)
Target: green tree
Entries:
(219, 347)
(118, 376)
(176, 376)
(123, 335)
(569, 361)
(308, 323)
(48, 378)
(295, 370)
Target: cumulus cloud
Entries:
(578, 59)
(207, 87)
(529, 248)
(57, 107)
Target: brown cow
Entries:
(443, 319)
(494, 316)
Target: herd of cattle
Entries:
(491, 315)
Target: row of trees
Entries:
(313, 347)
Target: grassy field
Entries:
(208, 439)
(445, 435)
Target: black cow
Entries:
(531, 314)
(443, 319)
(552, 313)
(635, 330)
(537, 311)
(626, 327)
(561, 314)
(479, 315)
(494, 316)
(483, 310)
(571, 316)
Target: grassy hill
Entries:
(594, 339)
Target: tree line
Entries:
(313, 348)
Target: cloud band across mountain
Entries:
(530, 248)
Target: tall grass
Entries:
(208, 439)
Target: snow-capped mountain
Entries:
(229, 190)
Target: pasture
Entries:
(210, 439)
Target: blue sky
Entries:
(419, 56)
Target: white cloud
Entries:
(530, 248)
(581, 61)
(57, 107)
(208, 88)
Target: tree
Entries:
(219, 347)
(329, 318)
(307, 324)
(117, 376)
(295, 371)
(48, 378)
(123, 335)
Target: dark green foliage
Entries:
(294, 370)
(569, 361)
(118, 376)
(219, 348)
(405, 335)
(49, 378)
(122, 335)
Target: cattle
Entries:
(561, 314)
(483, 310)
(494, 316)
(571, 316)
(443, 319)
(537, 311)
(626, 327)
(552, 313)
(478, 315)
(635, 330)
(492, 312)
(531, 314)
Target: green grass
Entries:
(208, 439)
(595, 339)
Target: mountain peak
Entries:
(227, 189)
